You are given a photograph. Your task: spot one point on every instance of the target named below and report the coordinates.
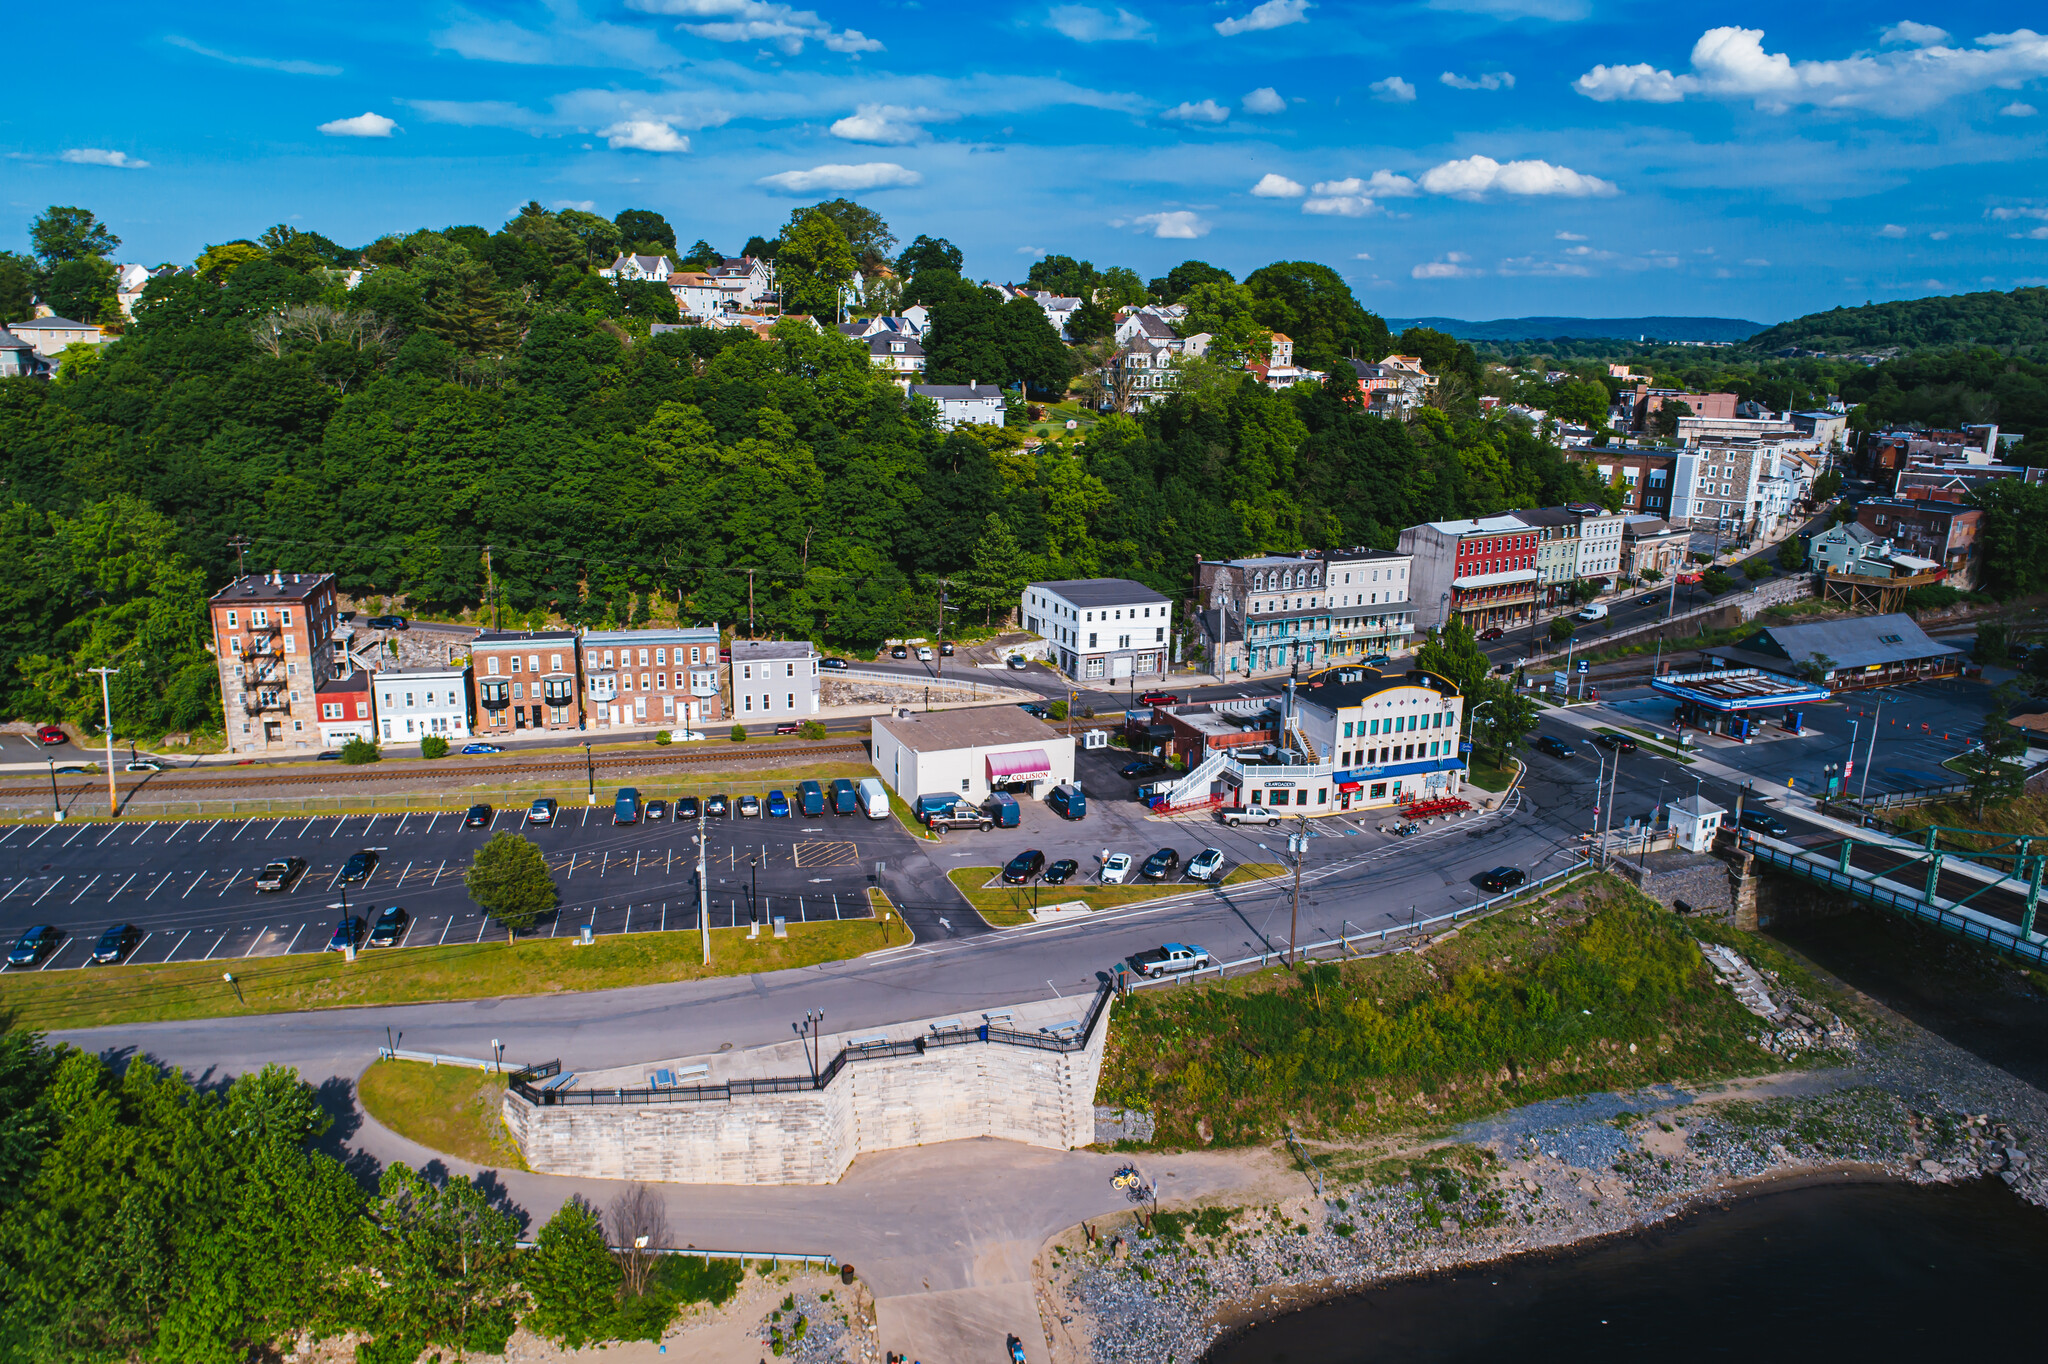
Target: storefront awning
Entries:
(1350, 786)
(1024, 764)
(1515, 575)
(1414, 768)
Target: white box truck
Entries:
(874, 800)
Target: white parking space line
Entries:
(241, 828)
(401, 824)
(180, 943)
(180, 829)
(257, 941)
(437, 874)
(444, 930)
(197, 877)
(112, 829)
(338, 825)
(481, 925)
(43, 835)
(492, 826)
(636, 862)
(16, 886)
(153, 890)
(294, 942)
(85, 829)
(83, 889)
(273, 829)
(402, 875)
(629, 920)
(432, 822)
(216, 945)
(232, 878)
(409, 925)
(138, 947)
(209, 832)
(12, 832)
(125, 884)
(371, 825)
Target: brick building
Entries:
(659, 678)
(524, 679)
(1482, 571)
(1945, 532)
(273, 641)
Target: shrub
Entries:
(1716, 582)
(661, 738)
(1753, 569)
(1933, 597)
(433, 746)
(813, 729)
(358, 751)
(1057, 710)
(739, 734)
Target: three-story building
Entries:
(774, 679)
(1370, 613)
(1479, 571)
(524, 679)
(273, 641)
(656, 679)
(1266, 614)
(1100, 629)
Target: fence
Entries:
(1379, 937)
(522, 1081)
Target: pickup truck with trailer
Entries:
(1249, 814)
(1171, 959)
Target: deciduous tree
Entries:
(510, 881)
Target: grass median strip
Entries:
(99, 996)
(450, 1109)
(1011, 905)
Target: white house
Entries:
(902, 356)
(52, 334)
(654, 268)
(1059, 310)
(963, 403)
(1599, 540)
(774, 679)
(968, 753)
(415, 702)
(1101, 628)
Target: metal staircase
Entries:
(1192, 791)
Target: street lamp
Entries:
(590, 772)
(808, 1031)
(56, 802)
(753, 888)
(1876, 701)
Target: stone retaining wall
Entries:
(978, 1089)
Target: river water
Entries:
(1873, 1271)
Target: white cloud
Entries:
(1208, 111)
(889, 124)
(1363, 255)
(289, 66)
(2039, 234)
(1535, 265)
(1906, 33)
(758, 21)
(100, 156)
(1938, 236)
(1272, 14)
(1393, 90)
(1038, 251)
(1273, 186)
(1492, 80)
(1179, 225)
(2008, 214)
(587, 205)
(1571, 236)
(1452, 266)
(1085, 25)
(2018, 110)
(362, 125)
(1264, 100)
(1478, 175)
(868, 175)
(1730, 63)
(1891, 230)
(1756, 261)
(643, 135)
(1340, 205)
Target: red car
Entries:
(788, 727)
(50, 734)
(1159, 698)
(1495, 633)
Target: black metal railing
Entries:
(522, 1082)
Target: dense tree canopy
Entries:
(1312, 304)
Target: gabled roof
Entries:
(958, 392)
(54, 322)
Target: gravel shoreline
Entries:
(1547, 1177)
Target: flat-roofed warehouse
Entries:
(1862, 651)
(969, 753)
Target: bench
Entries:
(944, 1024)
(692, 1073)
(1004, 1014)
(561, 1081)
(1071, 1025)
(877, 1040)
(661, 1079)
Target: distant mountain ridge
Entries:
(2017, 321)
(1586, 328)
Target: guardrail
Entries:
(1379, 937)
(773, 1257)
(522, 1080)
(436, 1058)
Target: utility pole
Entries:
(1297, 843)
(750, 603)
(107, 709)
(491, 590)
(238, 543)
(703, 888)
(939, 656)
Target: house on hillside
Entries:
(975, 403)
(653, 268)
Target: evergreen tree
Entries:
(999, 571)
(572, 1278)
(509, 880)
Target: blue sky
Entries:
(1474, 158)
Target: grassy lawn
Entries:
(1646, 739)
(446, 1108)
(1011, 905)
(1594, 987)
(1487, 777)
(270, 985)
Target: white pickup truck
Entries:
(1170, 959)
(1249, 814)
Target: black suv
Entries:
(359, 866)
(1502, 878)
(1764, 822)
(1554, 746)
(686, 807)
(1160, 865)
(390, 927)
(1023, 867)
(1143, 767)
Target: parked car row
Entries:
(843, 797)
(1030, 865)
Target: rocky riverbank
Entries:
(1889, 1099)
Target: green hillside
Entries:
(2016, 322)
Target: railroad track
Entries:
(673, 756)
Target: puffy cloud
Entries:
(1355, 198)
(1393, 90)
(1273, 186)
(1178, 225)
(1208, 111)
(1340, 205)
(1906, 33)
(2038, 234)
(2024, 211)
(100, 156)
(889, 124)
(1492, 80)
(1891, 230)
(1478, 175)
(1540, 268)
(868, 175)
(1452, 266)
(1571, 236)
(289, 66)
(759, 21)
(1272, 14)
(644, 135)
(1938, 236)
(1264, 100)
(2018, 110)
(1085, 25)
(362, 125)
(1730, 63)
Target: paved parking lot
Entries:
(188, 886)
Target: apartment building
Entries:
(774, 679)
(1480, 571)
(654, 679)
(1557, 552)
(1370, 610)
(1266, 614)
(1599, 541)
(1645, 476)
(1944, 532)
(524, 679)
(273, 642)
(413, 703)
(1100, 628)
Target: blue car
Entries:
(482, 748)
(29, 948)
(778, 805)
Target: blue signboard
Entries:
(1583, 667)
(1464, 747)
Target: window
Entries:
(259, 618)
(747, 701)
(494, 665)
(792, 701)
(643, 658)
(518, 692)
(661, 681)
(789, 670)
(231, 620)
(285, 615)
(693, 656)
(533, 663)
(330, 710)
(515, 663)
(661, 655)
(1091, 639)
(235, 645)
(555, 662)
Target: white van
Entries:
(874, 800)
(1592, 613)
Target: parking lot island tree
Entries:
(510, 881)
